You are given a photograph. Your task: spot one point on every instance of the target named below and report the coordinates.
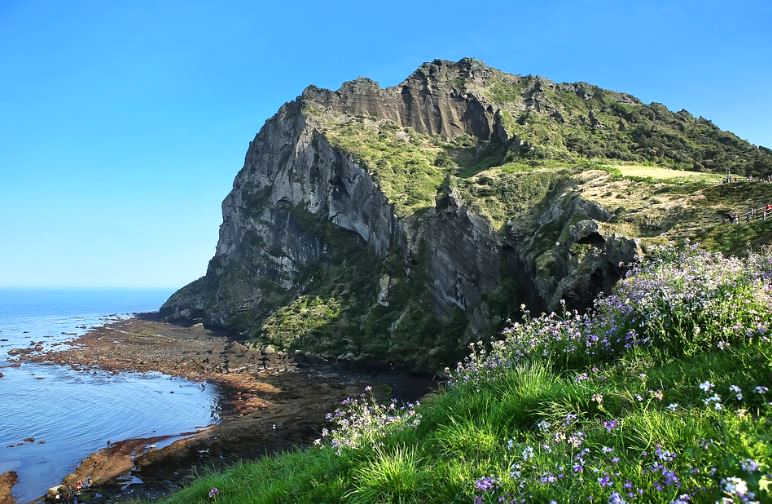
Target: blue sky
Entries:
(122, 124)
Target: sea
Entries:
(52, 417)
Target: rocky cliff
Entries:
(398, 224)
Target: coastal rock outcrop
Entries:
(7, 481)
(399, 223)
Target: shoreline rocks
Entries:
(257, 391)
(7, 481)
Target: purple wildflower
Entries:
(485, 483)
(749, 465)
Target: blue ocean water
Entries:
(69, 413)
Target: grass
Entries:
(576, 121)
(303, 317)
(465, 431)
(642, 425)
(660, 173)
(505, 192)
(408, 166)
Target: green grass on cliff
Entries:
(678, 412)
(582, 121)
(409, 167)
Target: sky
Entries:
(123, 123)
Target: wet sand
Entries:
(269, 403)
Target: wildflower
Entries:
(760, 389)
(604, 481)
(527, 453)
(610, 425)
(368, 388)
(664, 455)
(485, 483)
(576, 439)
(722, 345)
(682, 499)
(706, 386)
(671, 479)
(737, 391)
(734, 486)
(672, 406)
(615, 498)
(598, 398)
(749, 465)
(638, 397)
(214, 492)
(657, 394)
(510, 444)
(606, 449)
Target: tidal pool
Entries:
(71, 414)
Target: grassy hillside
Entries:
(653, 202)
(658, 394)
(571, 121)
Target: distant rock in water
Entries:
(399, 224)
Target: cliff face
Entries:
(388, 224)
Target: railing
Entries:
(762, 213)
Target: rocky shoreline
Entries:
(268, 402)
(7, 481)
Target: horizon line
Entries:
(83, 287)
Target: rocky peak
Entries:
(441, 74)
(432, 100)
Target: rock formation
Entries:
(375, 224)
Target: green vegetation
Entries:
(408, 166)
(571, 122)
(658, 173)
(499, 194)
(305, 316)
(337, 312)
(661, 394)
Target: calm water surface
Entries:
(78, 412)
